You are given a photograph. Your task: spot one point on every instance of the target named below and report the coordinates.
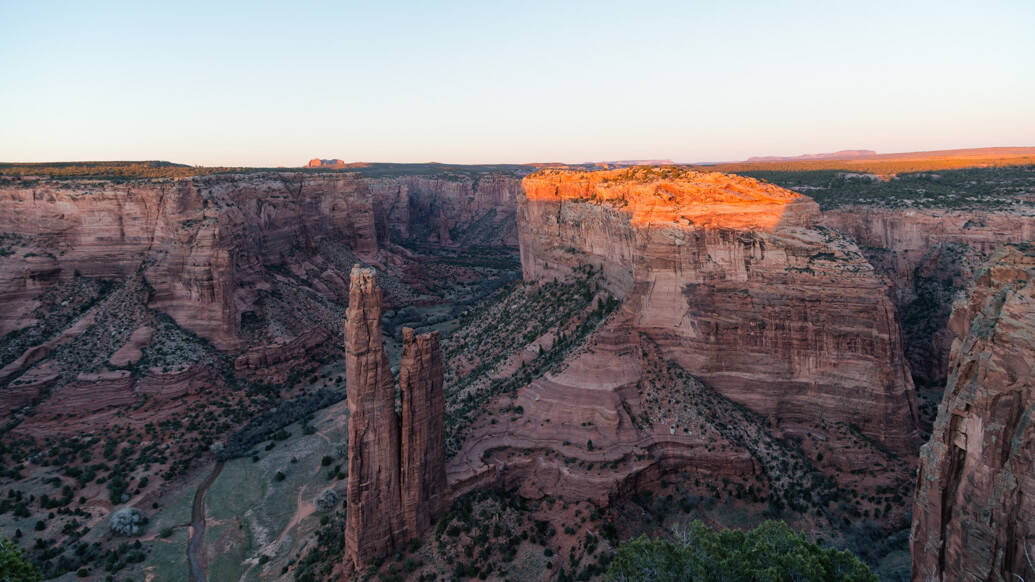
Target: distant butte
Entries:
(319, 163)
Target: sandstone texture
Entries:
(396, 467)
(974, 509)
(929, 257)
(734, 281)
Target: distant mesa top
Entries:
(319, 163)
(839, 155)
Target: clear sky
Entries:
(258, 83)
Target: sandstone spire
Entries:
(394, 491)
(374, 523)
(423, 446)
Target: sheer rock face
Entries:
(394, 488)
(374, 522)
(732, 279)
(974, 509)
(928, 257)
(423, 417)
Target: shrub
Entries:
(127, 521)
(14, 566)
(773, 551)
(327, 500)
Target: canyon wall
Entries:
(461, 210)
(928, 257)
(202, 243)
(736, 283)
(974, 509)
(396, 466)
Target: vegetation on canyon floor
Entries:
(772, 551)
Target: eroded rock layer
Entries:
(734, 281)
(974, 510)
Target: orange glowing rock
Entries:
(675, 195)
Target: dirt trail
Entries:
(197, 527)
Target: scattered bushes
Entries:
(241, 442)
(773, 551)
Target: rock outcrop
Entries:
(974, 509)
(394, 489)
(736, 283)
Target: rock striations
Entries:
(733, 281)
(394, 488)
(974, 510)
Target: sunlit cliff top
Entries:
(679, 195)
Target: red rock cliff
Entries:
(974, 510)
(735, 283)
(202, 242)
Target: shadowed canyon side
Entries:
(929, 256)
(396, 478)
(733, 280)
(974, 511)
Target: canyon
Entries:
(251, 265)
(678, 333)
(974, 512)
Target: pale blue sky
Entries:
(262, 83)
